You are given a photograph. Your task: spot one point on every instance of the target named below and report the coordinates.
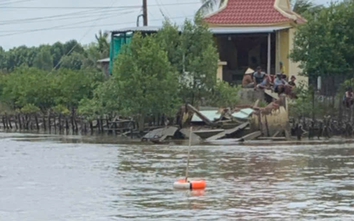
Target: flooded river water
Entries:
(48, 179)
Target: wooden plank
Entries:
(252, 136)
(200, 115)
(256, 104)
(276, 133)
(207, 133)
(273, 138)
(228, 132)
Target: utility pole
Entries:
(145, 16)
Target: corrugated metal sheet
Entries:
(210, 114)
(245, 30)
(243, 114)
(215, 30)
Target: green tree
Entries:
(146, 82)
(30, 86)
(200, 61)
(43, 59)
(323, 46)
(74, 61)
(303, 7)
(75, 86)
(209, 6)
(225, 95)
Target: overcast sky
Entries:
(23, 22)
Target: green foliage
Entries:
(30, 109)
(152, 76)
(200, 61)
(145, 79)
(305, 7)
(303, 106)
(70, 55)
(226, 95)
(105, 101)
(61, 109)
(194, 56)
(324, 45)
(43, 59)
(44, 90)
(29, 86)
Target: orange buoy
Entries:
(190, 184)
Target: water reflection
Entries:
(53, 178)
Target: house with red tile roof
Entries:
(251, 33)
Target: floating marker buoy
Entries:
(190, 184)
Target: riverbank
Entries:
(106, 139)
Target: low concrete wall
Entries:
(250, 96)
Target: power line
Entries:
(76, 15)
(72, 49)
(95, 7)
(69, 27)
(60, 26)
(15, 2)
(88, 13)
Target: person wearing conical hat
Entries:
(247, 81)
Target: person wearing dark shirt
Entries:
(292, 81)
(258, 76)
(348, 98)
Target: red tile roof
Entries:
(247, 12)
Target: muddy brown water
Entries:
(59, 178)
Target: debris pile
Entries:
(218, 125)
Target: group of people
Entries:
(260, 80)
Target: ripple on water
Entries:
(45, 180)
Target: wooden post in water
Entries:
(66, 124)
(3, 122)
(16, 123)
(49, 123)
(44, 123)
(9, 121)
(19, 121)
(36, 119)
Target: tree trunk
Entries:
(72, 120)
(141, 123)
(44, 123)
(59, 122)
(19, 121)
(36, 119)
(4, 122)
(91, 127)
(16, 123)
(66, 124)
(9, 121)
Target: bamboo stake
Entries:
(189, 151)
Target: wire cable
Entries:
(74, 15)
(68, 27)
(72, 49)
(95, 7)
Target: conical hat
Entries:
(249, 71)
